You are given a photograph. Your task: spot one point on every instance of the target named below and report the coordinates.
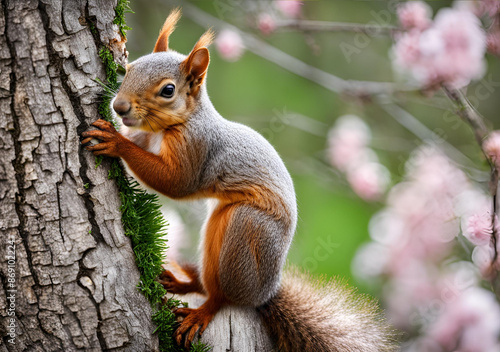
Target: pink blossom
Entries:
(472, 200)
(450, 51)
(407, 53)
(419, 223)
(290, 8)
(369, 180)
(347, 142)
(409, 294)
(370, 260)
(387, 227)
(432, 171)
(482, 257)
(426, 294)
(346, 153)
(491, 147)
(414, 15)
(266, 23)
(479, 229)
(470, 322)
(229, 44)
(464, 45)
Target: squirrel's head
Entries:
(162, 89)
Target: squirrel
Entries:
(174, 141)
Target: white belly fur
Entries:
(154, 147)
(211, 204)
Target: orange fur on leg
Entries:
(199, 318)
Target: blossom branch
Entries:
(324, 26)
(412, 124)
(468, 113)
(292, 64)
(381, 91)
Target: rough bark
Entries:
(75, 275)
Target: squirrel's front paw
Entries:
(172, 285)
(111, 140)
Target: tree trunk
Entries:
(68, 275)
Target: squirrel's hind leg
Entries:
(252, 256)
(196, 320)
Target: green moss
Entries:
(92, 27)
(98, 161)
(121, 9)
(143, 223)
(110, 66)
(141, 216)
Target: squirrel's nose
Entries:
(121, 106)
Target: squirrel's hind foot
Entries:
(195, 322)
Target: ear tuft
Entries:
(166, 30)
(205, 40)
(196, 64)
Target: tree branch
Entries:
(380, 90)
(412, 124)
(324, 26)
(292, 64)
(468, 113)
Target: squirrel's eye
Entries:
(168, 91)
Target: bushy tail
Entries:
(318, 315)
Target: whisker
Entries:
(154, 117)
(158, 117)
(148, 116)
(161, 112)
(144, 117)
(152, 130)
(157, 120)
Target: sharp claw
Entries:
(202, 329)
(193, 325)
(178, 339)
(183, 312)
(100, 146)
(182, 329)
(192, 334)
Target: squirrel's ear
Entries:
(196, 65)
(166, 30)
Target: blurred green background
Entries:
(295, 113)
